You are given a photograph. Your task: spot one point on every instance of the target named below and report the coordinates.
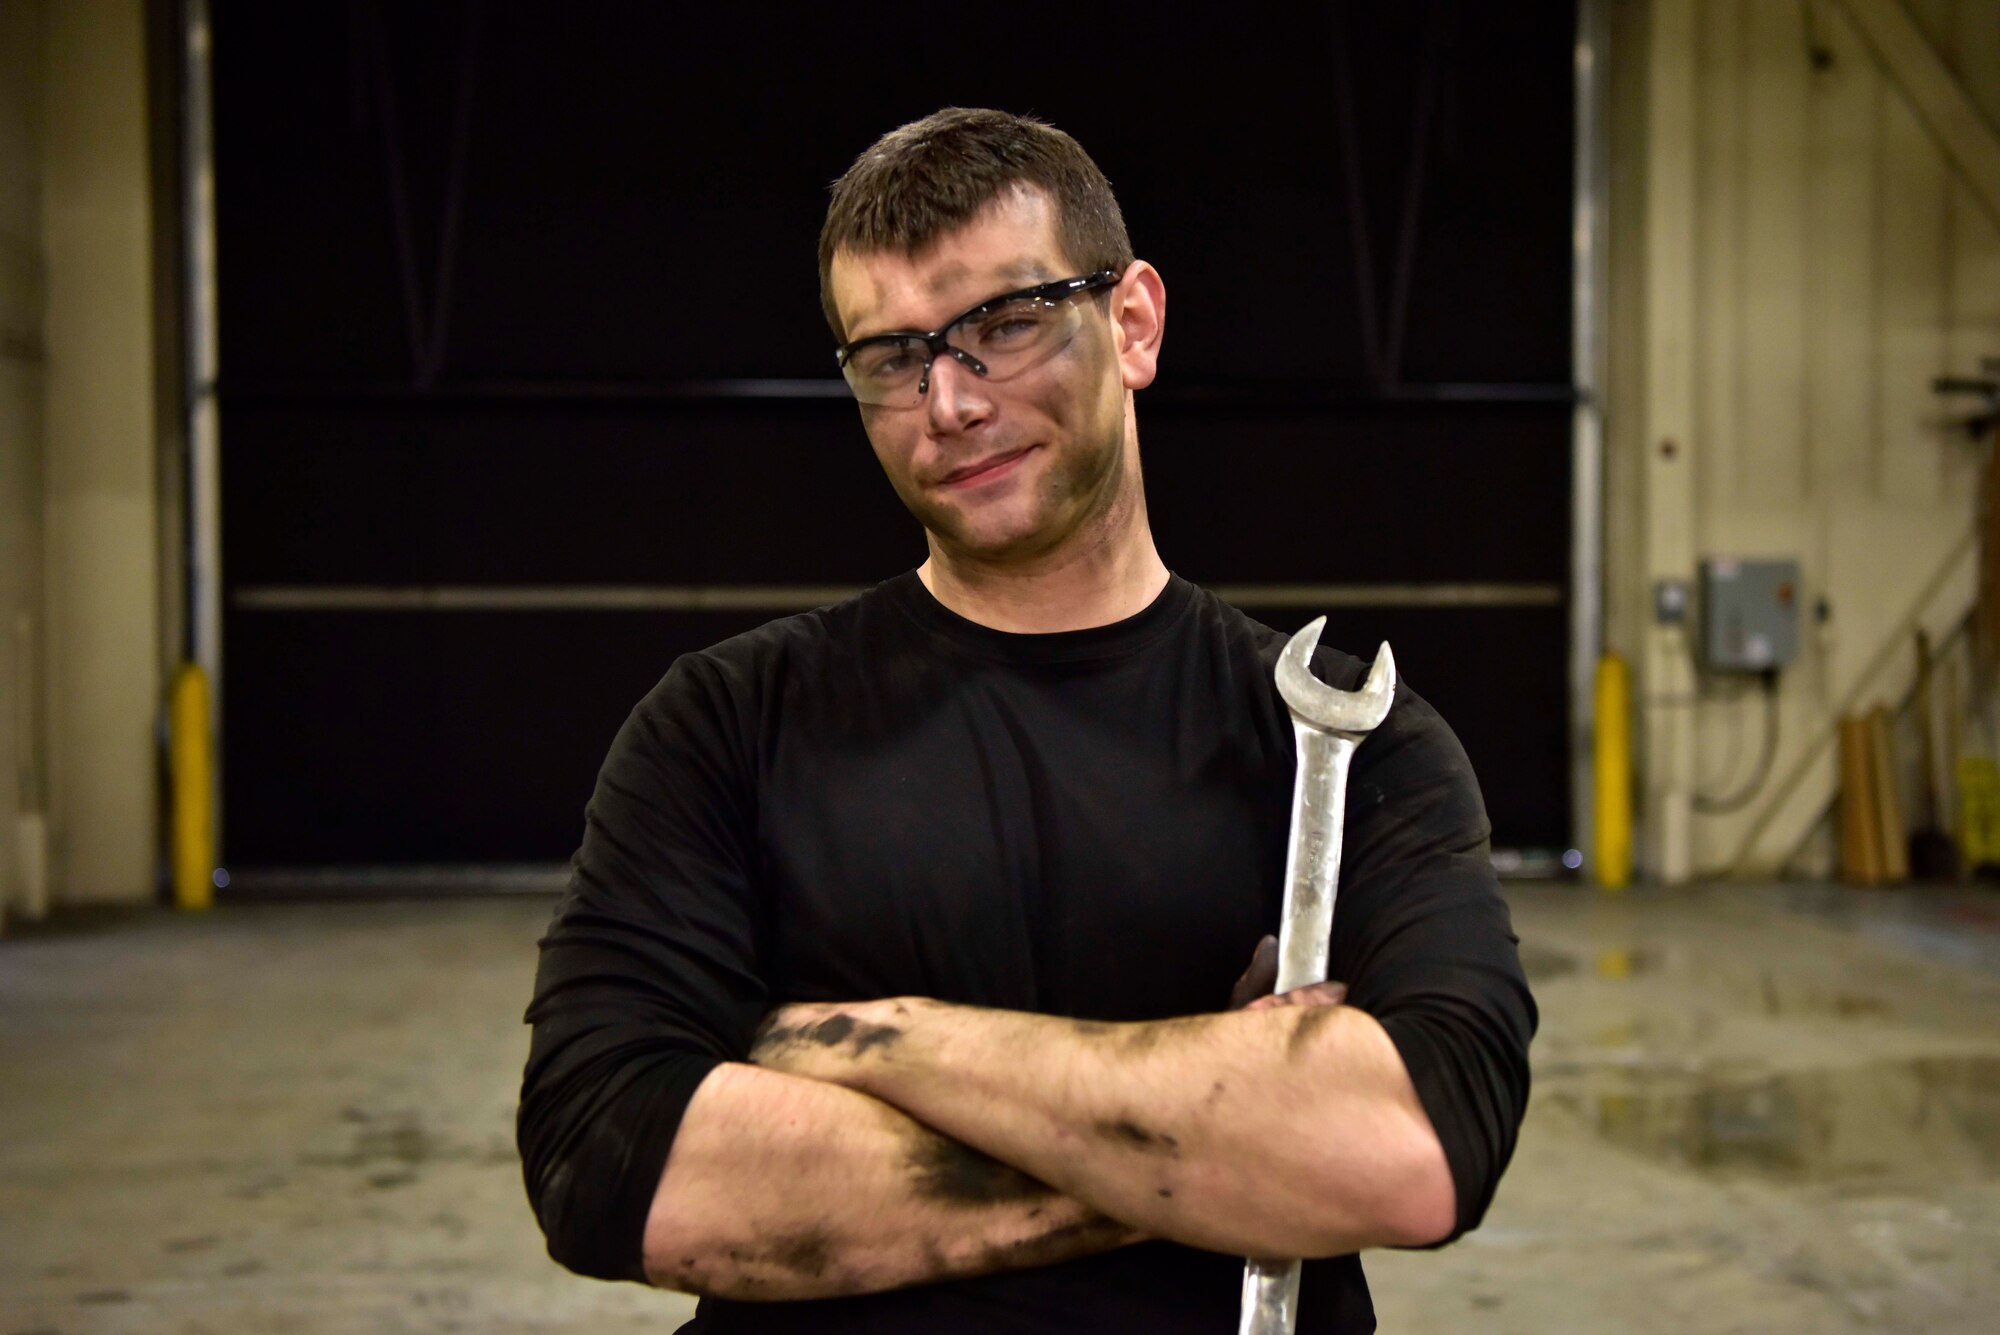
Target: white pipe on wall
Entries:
(203, 361)
(1588, 281)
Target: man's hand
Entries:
(1253, 991)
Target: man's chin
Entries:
(988, 543)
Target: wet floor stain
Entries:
(104, 1297)
(1542, 964)
(1955, 925)
(259, 1186)
(381, 1142)
(195, 1244)
(1625, 1032)
(1841, 1005)
(1626, 962)
(390, 1149)
(1929, 1119)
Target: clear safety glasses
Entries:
(1000, 337)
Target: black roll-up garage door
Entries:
(525, 389)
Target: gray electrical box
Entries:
(1749, 614)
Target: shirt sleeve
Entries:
(648, 976)
(1424, 941)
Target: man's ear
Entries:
(1139, 315)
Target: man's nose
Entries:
(957, 398)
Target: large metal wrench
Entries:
(1327, 725)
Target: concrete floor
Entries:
(1757, 1109)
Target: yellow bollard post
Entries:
(191, 764)
(1613, 801)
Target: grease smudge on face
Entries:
(1067, 413)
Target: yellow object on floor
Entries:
(1979, 811)
(192, 765)
(1613, 728)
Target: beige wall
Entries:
(20, 437)
(76, 407)
(1798, 251)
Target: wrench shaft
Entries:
(1305, 939)
(1312, 859)
(1270, 1297)
(1327, 725)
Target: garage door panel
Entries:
(1412, 495)
(399, 737)
(747, 493)
(1496, 674)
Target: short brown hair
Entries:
(928, 178)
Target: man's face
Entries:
(1004, 470)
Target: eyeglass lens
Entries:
(1004, 339)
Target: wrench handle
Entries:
(1312, 860)
(1270, 1297)
(1305, 938)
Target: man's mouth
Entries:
(987, 469)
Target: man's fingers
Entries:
(1313, 994)
(1257, 980)
(1253, 989)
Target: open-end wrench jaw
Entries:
(1313, 701)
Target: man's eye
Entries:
(1014, 324)
(886, 361)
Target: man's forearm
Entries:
(1285, 1132)
(780, 1187)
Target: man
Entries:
(888, 993)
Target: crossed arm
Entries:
(879, 1144)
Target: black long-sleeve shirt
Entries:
(881, 798)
